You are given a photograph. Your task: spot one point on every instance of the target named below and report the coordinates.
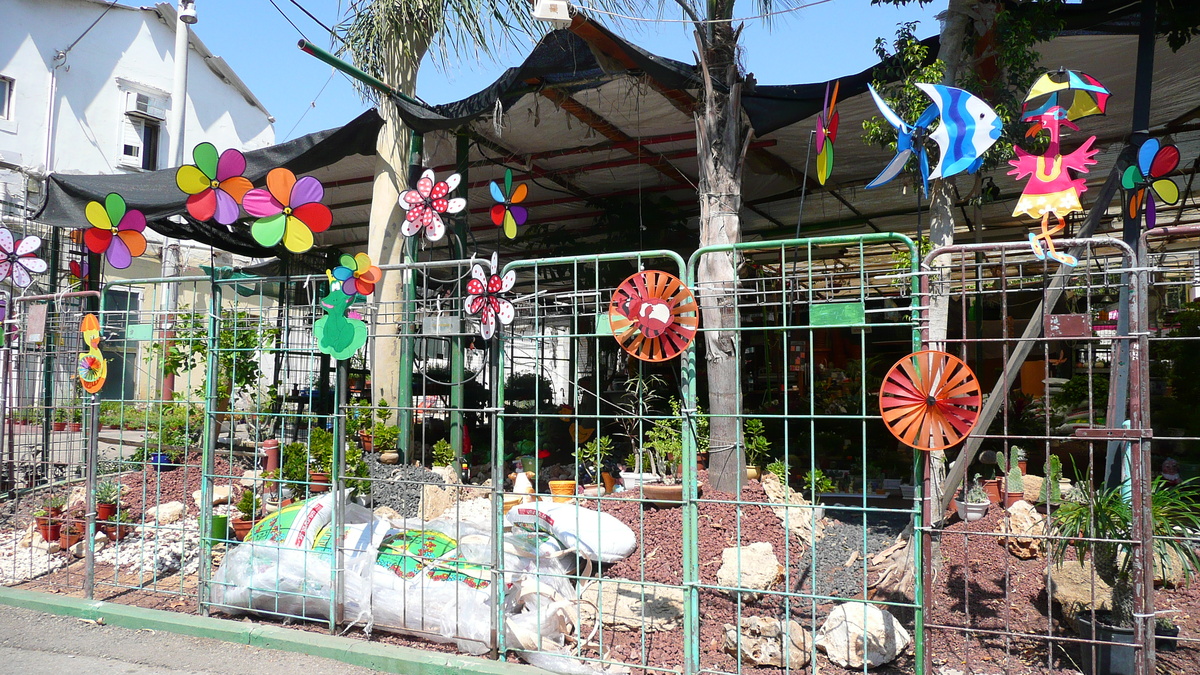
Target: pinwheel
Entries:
(93, 369)
(79, 273)
(486, 297)
(1154, 162)
(506, 213)
(653, 315)
(827, 126)
(426, 203)
(115, 232)
(1077, 94)
(17, 259)
(215, 185)
(930, 400)
(289, 210)
(356, 274)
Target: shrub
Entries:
(443, 453)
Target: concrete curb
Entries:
(385, 658)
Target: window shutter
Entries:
(131, 142)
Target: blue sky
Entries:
(809, 45)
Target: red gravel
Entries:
(149, 489)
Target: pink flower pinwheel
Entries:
(289, 210)
(485, 297)
(215, 184)
(17, 259)
(427, 202)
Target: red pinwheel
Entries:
(930, 400)
(1154, 162)
(115, 232)
(485, 297)
(215, 184)
(426, 203)
(506, 213)
(289, 210)
(653, 315)
(79, 273)
(17, 259)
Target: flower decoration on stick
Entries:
(116, 232)
(288, 211)
(426, 203)
(1154, 162)
(827, 127)
(17, 259)
(79, 273)
(215, 185)
(356, 274)
(486, 297)
(506, 213)
(93, 369)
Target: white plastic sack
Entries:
(597, 536)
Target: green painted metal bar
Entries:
(338, 466)
(208, 444)
(373, 82)
(49, 337)
(457, 343)
(404, 387)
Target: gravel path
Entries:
(399, 486)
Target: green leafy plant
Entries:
(756, 443)
(320, 460)
(977, 495)
(108, 492)
(1097, 523)
(385, 438)
(54, 503)
(816, 482)
(595, 451)
(1051, 491)
(249, 505)
(443, 453)
(780, 470)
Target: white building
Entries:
(85, 87)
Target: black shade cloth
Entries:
(158, 198)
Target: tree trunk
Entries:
(722, 137)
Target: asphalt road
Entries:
(32, 643)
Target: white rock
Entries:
(27, 537)
(221, 494)
(76, 497)
(761, 642)
(754, 567)
(841, 636)
(1027, 524)
(167, 513)
(630, 606)
(249, 477)
(78, 549)
(43, 545)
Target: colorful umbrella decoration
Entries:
(653, 315)
(486, 297)
(1154, 162)
(79, 273)
(506, 213)
(356, 274)
(1077, 94)
(288, 211)
(827, 126)
(17, 259)
(426, 203)
(116, 233)
(930, 400)
(338, 333)
(215, 185)
(93, 369)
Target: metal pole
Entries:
(337, 613)
(457, 366)
(93, 447)
(373, 82)
(404, 387)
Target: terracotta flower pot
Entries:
(753, 472)
(242, 527)
(105, 511)
(75, 426)
(364, 439)
(319, 482)
(1021, 464)
(58, 426)
(117, 531)
(992, 488)
(563, 490)
(69, 536)
(1011, 498)
(48, 528)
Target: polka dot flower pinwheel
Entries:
(17, 259)
(116, 232)
(215, 185)
(486, 297)
(356, 274)
(288, 211)
(427, 202)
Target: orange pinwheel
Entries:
(930, 400)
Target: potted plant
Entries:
(756, 446)
(1019, 454)
(1097, 524)
(249, 506)
(975, 503)
(1051, 491)
(443, 453)
(47, 526)
(108, 494)
(54, 505)
(119, 526)
(70, 535)
(385, 440)
(591, 457)
(320, 459)
(1014, 481)
(815, 484)
(60, 420)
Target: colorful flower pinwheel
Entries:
(427, 202)
(215, 184)
(17, 260)
(115, 232)
(506, 212)
(289, 210)
(1154, 162)
(485, 297)
(79, 273)
(356, 274)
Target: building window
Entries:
(6, 96)
(144, 115)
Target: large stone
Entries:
(387, 512)
(1071, 584)
(222, 494)
(166, 513)
(76, 497)
(841, 636)
(27, 538)
(1033, 487)
(783, 502)
(447, 473)
(1023, 521)
(760, 642)
(629, 606)
(754, 567)
(249, 478)
(389, 458)
(435, 501)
